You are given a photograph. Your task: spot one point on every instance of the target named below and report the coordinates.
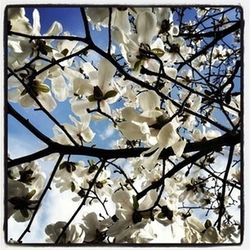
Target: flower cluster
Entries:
(25, 184)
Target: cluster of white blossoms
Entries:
(151, 101)
(25, 184)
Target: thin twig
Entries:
(41, 199)
(222, 197)
(109, 29)
(93, 182)
(51, 117)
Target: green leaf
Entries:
(47, 48)
(73, 186)
(42, 88)
(158, 52)
(110, 94)
(30, 194)
(137, 65)
(161, 215)
(91, 98)
(135, 203)
(24, 213)
(208, 224)
(65, 52)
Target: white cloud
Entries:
(19, 146)
(107, 133)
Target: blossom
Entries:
(177, 50)
(167, 137)
(20, 201)
(30, 175)
(119, 18)
(93, 228)
(196, 232)
(73, 234)
(39, 90)
(132, 46)
(70, 176)
(128, 213)
(206, 134)
(80, 131)
(97, 91)
(22, 48)
(235, 174)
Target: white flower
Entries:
(18, 21)
(167, 137)
(165, 23)
(133, 130)
(22, 47)
(177, 50)
(73, 234)
(40, 90)
(100, 17)
(146, 25)
(196, 232)
(30, 175)
(59, 88)
(209, 134)
(80, 131)
(200, 62)
(70, 176)
(20, 201)
(128, 212)
(235, 174)
(93, 228)
(98, 89)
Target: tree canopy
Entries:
(141, 116)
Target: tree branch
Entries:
(217, 143)
(222, 197)
(51, 117)
(41, 199)
(219, 36)
(28, 125)
(91, 184)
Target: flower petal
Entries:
(146, 27)
(26, 100)
(106, 70)
(167, 136)
(36, 23)
(82, 86)
(120, 19)
(55, 29)
(149, 162)
(131, 130)
(88, 135)
(47, 101)
(149, 100)
(59, 88)
(179, 147)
